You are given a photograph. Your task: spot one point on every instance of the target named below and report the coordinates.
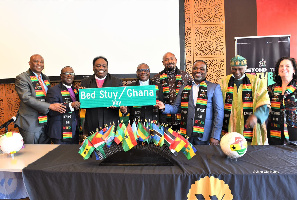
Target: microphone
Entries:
(8, 122)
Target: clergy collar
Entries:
(144, 82)
(67, 86)
(97, 78)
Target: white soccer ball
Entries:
(11, 142)
(234, 145)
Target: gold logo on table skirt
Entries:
(208, 187)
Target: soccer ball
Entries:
(11, 142)
(234, 145)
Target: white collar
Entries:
(67, 86)
(100, 78)
(144, 82)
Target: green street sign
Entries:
(117, 96)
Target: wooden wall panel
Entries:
(205, 36)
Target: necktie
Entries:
(72, 95)
(42, 84)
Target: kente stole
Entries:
(247, 106)
(164, 81)
(40, 94)
(278, 113)
(137, 110)
(67, 117)
(200, 109)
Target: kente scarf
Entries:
(137, 110)
(278, 114)
(67, 117)
(247, 106)
(39, 93)
(200, 109)
(164, 81)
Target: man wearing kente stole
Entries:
(32, 87)
(246, 103)
(145, 112)
(63, 127)
(171, 79)
(201, 106)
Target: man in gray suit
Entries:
(32, 87)
(200, 103)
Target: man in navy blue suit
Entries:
(63, 127)
(200, 103)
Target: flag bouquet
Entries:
(131, 135)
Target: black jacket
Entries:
(98, 117)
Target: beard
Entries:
(171, 67)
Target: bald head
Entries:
(169, 61)
(143, 72)
(36, 63)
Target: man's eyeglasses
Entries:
(143, 70)
(69, 73)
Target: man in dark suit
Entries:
(201, 106)
(96, 118)
(145, 112)
(32, 87)
(63, 127)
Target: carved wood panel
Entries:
(205, 36)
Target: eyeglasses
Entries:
(143, 70)
(69, 73)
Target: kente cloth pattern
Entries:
(284, 110)
(200, 109)
(39, 93)
(260, 97)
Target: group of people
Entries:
(197, 108)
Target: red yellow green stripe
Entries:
(277, 89)
(39, 93)
(67, 135)
(163, 76)
(65, 93)
(201, 101)
(184, 104)
(203, 83)
(291, 89)
(188, 87)
(275, 133)
(248, 134)
(166, 89)
(46, 82)
(247, 105)
(42, 119)
(33, 78)
(198, 129)
(182, 131)
(247, 87)
(228, 106)
(230, 89)
(178, 77)
(275, 105)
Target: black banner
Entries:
(262, 53)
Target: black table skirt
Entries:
(264, 172)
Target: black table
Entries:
(264, 172)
